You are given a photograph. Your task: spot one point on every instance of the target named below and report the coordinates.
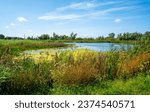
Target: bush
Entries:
(137, 63)
(85, 66)
(5, 74)
(75, 67)
(28, 78)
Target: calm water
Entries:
(101, 46)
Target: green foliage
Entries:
(24, 76)
(44, 37)
(85, 66)
(130, 36)
(121, 38)
(5, 74)
(27, 77)
(2, 36)
(73, 36)
(111, 35)
(138, 85)
(74, 72)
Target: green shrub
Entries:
(27, 78)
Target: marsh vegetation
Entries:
(78, 71)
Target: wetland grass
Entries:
(79, 71)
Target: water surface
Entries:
(104, 47)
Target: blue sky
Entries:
(88, 18)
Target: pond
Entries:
(104, 47)
(49, 54)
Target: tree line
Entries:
(73, 36)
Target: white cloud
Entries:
(7, 27)
(57, 16)
(21, 19)
(12, 24)
(60, 17)
(106, 11)
(70, 12)
(84, 5)
(117, 20)
(80, 5)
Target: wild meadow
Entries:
(80, 71)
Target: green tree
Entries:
(146, 36)
(2, 36)
(119, 36)
(126, 36)
(55, 36)
(73, 36)
(44, 37)
(136, 36)
(111, 35)
(100, 38)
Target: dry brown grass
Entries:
(81, 73)
(86, 66)
(136, 64)
(83, 67)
